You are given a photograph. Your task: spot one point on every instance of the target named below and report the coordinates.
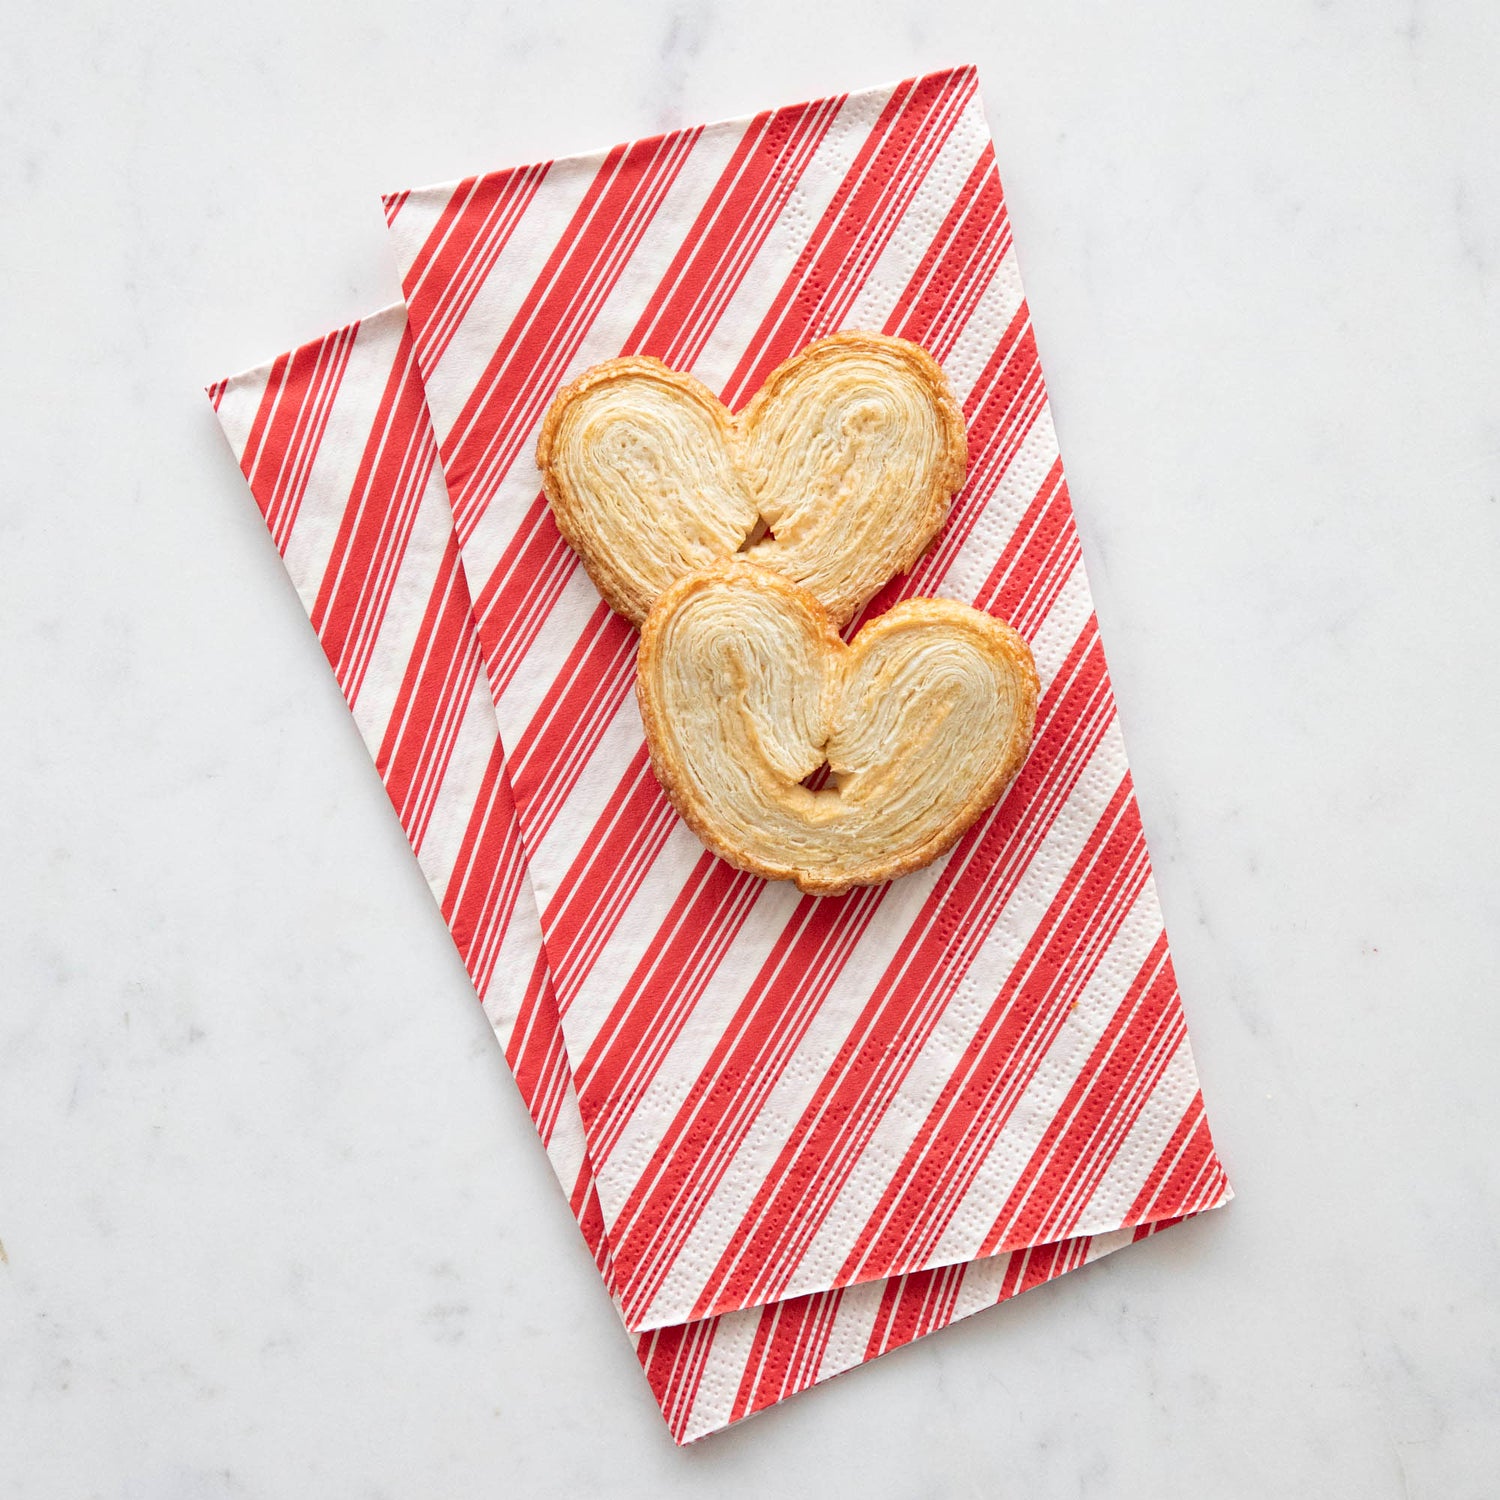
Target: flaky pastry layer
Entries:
(746, 689)
(848, 455)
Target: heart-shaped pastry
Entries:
(746, 689)
(848, 457)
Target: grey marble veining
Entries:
(274, 1222)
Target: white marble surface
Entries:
(275, 1222)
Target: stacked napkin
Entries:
(795, 1132)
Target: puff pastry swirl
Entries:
(745, 688)
(848, 455)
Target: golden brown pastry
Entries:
(745, 689)
(849, 454)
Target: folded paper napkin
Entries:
(795, 1132)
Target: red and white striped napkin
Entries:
(1009, 1017)
(783, 1095)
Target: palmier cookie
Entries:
(848, 457)
(746, 689)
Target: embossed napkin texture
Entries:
(335, 442)
(783, 1096)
